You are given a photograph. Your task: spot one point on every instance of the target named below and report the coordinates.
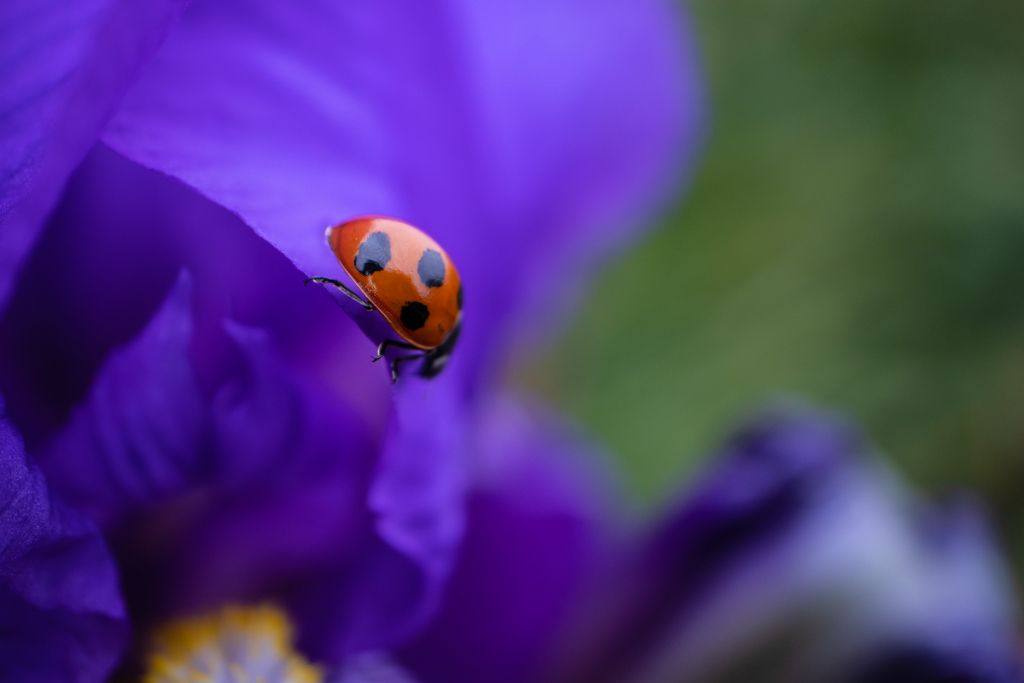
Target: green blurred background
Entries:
(854, 235)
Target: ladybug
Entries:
(407, 278)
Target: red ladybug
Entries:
(409, 279)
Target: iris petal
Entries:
(417, 498)
(110, 253)
(539, 526)
(273, 486)
(796, 555)
(66, 64)
(137, 436)
(284, 486)
(523, 137)
(60, 608)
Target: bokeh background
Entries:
(854, 235)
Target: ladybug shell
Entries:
(404, 273)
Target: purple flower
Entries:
(223, 428)
(230, 437)
(797, 556)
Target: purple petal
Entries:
(350, 608)
(122, 234)
(417, 496)
(372, 668)
(955, 615)
(537, 526)
(796, 553)
(523, 137)
(273, 475)
(288, 481)
(234, 501)
(66, 63)
(275, 507)
(418, 493)
(758, 492)
(358, 540)
(61, 614)
(137, 436)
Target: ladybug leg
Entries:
(391, 342)
(438, 358)
(345, 290)
(401, 359)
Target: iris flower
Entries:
(203, 472)
(168, 177)
(798, 556)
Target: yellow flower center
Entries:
(234, 645)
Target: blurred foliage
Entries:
(854, 235)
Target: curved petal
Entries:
(417, 497)
(110, 253)
(359, 538)
(61, 613)
(372, 668)
(284, 491)
(538, 527)
(796, 556)
(522, 136)
(137, 436)
(275, 473)
(66, 64)
(418, 492)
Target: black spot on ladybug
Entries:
(458, 297)
(431, 268)
(414, 315)
(374, 253)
